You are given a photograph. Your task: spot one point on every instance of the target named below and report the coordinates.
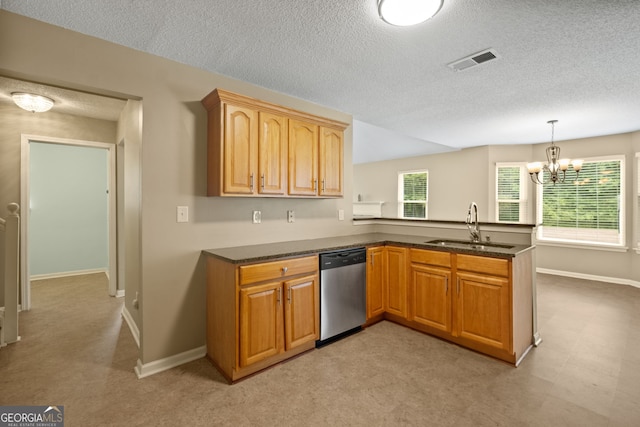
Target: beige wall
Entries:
(14, 122)
(173, 171)
(129, 140)
(457, 178)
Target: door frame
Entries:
(25, 188)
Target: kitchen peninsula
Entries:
(477, 296)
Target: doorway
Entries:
(69, 212)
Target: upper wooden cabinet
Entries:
(331, 164)
(240, 150)
(272, 154)
(303, 158)
(260, 149)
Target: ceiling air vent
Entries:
(473, 60)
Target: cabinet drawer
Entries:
(486, 265)
(442, 259)
(277, 269)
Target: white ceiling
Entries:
(575, 61)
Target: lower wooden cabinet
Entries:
(396, 293)
(431, 297)
(300, 307)
(483, 310)
(479, 302)
(376, 278)
(260, 314)
(261, 328)
(386, 282)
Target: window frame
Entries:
(523, 200)
(619, 246)
(401, 201)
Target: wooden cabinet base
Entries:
(234, 375)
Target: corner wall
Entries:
(173, 171)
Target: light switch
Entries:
(256, 217)
(291, 216)
(182, 214)
(341, 214)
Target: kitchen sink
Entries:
(465, 244)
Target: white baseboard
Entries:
(35, 277)
(157, 366)
(120, 293)
(615, 280)
(132, 325)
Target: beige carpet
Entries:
(77, 352)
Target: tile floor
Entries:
(586, 372)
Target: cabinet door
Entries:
(272, 154)
(303, 158)
(301, 311)
(396, 295)
(240, 149)
(330, 162)
(431, 298)
(484, 309)
(376, 274)
(261, 326)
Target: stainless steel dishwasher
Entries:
(343, 294)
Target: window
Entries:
(511, 192)
(412, 194)
(586, 210)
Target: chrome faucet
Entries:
(472, 222)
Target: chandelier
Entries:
(556, 167)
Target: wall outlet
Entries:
(291, 216)
(257, 217)
(182, 213)
(341, 214)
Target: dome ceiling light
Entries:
(404, 13)
(31, 102)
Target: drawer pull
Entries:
(284, 270)
(446, 285)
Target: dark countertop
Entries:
(271, 251)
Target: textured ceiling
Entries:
(573, 60)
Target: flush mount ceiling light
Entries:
(555, 165)
(407, 12)
(31, 102)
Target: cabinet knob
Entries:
(284, 270)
